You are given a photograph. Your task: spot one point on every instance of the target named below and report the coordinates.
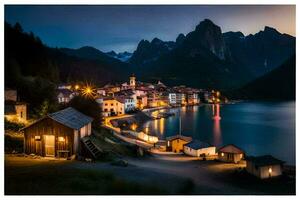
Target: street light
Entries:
(88, 91)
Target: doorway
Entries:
(50, 145)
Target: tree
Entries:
(18, 27)
(87, 106)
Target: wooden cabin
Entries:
(197, 148)
(230, 153)
(264, 166)
(58, 134)
(175, 143)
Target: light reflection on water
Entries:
(258, 128)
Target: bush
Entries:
(12, 125)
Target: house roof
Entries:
(264, 160)
(182, 137)
(65, 92)
(71, 118)
(231, 148)
(68, 117)
(196, 144)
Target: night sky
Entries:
(120, 28)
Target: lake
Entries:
(259, 128)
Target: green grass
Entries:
(52, 177)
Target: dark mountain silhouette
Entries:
(198, 59)
(207, 58)
(262, 52)
(279, 84)
(58, 65)
(150, 51)
(204, 58)
(35, 69)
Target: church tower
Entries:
(132, 81)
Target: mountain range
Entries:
(203, 58)
(122, 56)
(208, 58)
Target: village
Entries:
(68, 135)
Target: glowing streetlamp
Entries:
(88, 91)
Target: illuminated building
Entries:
(230, 153)
(64, 96)
(197, 148)
(264, 166)
(57, 132)
(175, 143)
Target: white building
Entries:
(130, 103)
(177, 98)
(197, 148)
(101, 91)
(264, 166)
(65, 95)
(172, 98)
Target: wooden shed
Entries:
(175, 143)
(230, 153)
(197, 148)
(264, 166)
(57, 134)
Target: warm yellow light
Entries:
(222, 154)
(168, 143)
(76, 87)
(241, 155)
(270, 170)
(37, 137)
(88, 91)
(61, 139)
(147, 129)
(133, 127)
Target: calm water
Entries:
(258, 128)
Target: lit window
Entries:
(222, 154)
(37, 137)
(61, 139)
(241, 155)
(270, 170)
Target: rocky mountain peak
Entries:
(270, 30)
(208, 35)
(180, 38)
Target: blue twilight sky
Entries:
(120, 28)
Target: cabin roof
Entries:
(231, 148)
(196, 144)
(68, 117)
(264, 160)
(71, 117)
(182, 137)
